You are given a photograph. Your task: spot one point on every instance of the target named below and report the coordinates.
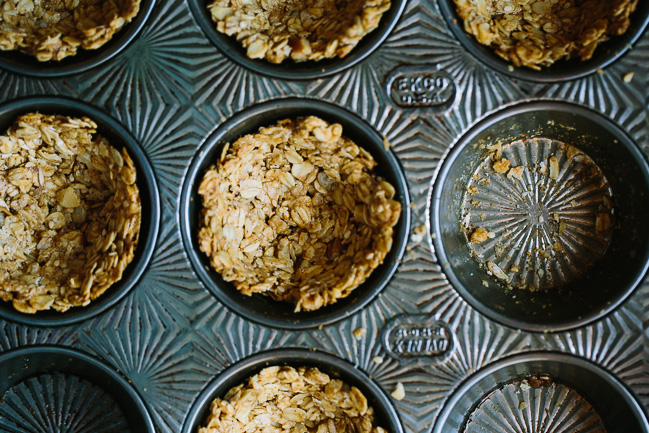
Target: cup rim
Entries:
(576, 69)
(225, 292)
(147, 237)
(25, 64)
(290, 70)
(295, 357)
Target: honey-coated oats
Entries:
(285, 399)
(55, 29)
(297, 29)
(537, 33)
(294, 211)
(69, 213)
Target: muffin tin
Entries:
(416, 100)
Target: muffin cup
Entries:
(47, 387)
(493, 396)
(290, 70)
(386, 416)
(118, 137)
(26, 64)
(260, 308)
(605, 53)
(604, 284)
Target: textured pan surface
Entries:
(171, 87)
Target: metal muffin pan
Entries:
(175, 335)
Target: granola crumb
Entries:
(479, 235)
(502, 165)
(292, 400)
(628, 77)
(359, 333)
(378, 360)
(306, 221)
(399, 392)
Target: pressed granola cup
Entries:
(103, 289)
(260, 307)
(60, 389)
(383, 416)
(537, 215)
(562, 59)
(67, 37)
(542, 391)
(291, 57)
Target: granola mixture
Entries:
(69, 213)
(55, 29)
(295, 212)
(299, 29)
(536, 33)
(283, 399)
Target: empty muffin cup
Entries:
(289, 69)
(605, 53)
(541, 392)
(537, 215)
(336, 368)
(59, 389)
(83, 60)
(261, 308)
(119, 138)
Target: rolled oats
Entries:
(55, 29)
(69, 213)
(299, 29)
(295, 212)
(285, 399)
(536, 33)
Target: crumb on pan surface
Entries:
(285, 399)
(301, 30)
(294, 211)
(55, 29)
(69, 213)
(537, 33)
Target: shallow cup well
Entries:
(606, 282)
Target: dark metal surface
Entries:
(422, 90)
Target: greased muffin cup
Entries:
(21, 63)
(571, 270)
(605, 54)
(290, 70)
(118, 137)
(435, 348)
(261, 308)
(55, 387)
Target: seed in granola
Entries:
(295, 212)
(399, 392)
(286, 399)
(69, 213)
(537, 33)
(55, 29)
(297, 29)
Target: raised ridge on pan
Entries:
(259, 308)
(55, 387)
(25, 64)
(605, 54)
(290, 70)
(118, 136)
(386, 415)
(611, 401)
(598, 291)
